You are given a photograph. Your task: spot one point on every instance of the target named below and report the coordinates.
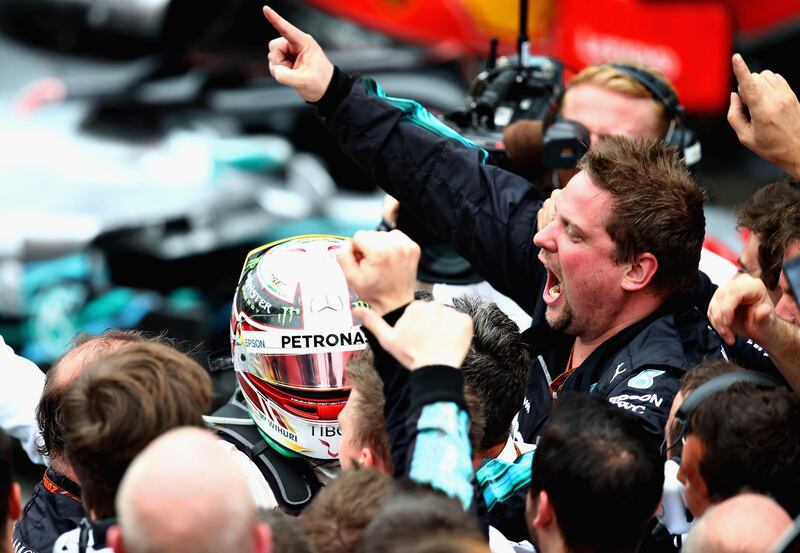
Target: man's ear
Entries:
(263, 538)
(14, 502)
(368, 459)
(114, 539)
(640, 272)
(544, 511)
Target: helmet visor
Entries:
(316, 370)
(313, 371)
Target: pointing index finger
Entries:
(742, 73)
(286, 29)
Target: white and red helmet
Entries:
(292, 333)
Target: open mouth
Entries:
(552, 288)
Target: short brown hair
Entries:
(48, 412)
(288, 535)
(119, 405)
(762, 214)
(751, 442)
(705, 371)
(336, 518)
(657, 207)
(369, 424)
(609, 77)
(693, 379)
(790, 228)
(415, 511)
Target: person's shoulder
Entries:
(257, 484)
(677, 339)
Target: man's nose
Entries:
(544, 238)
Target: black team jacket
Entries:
(489, 216)
(53, 509)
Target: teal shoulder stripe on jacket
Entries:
(442, 456)
(500, 480)
(421, 117)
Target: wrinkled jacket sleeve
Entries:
(427, 422)
(486, 213)
(438, 428)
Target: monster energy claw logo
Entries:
(287, 315)
(252, 262)
(360, 304)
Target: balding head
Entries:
(746, 523)
(84, 351)
(185, 493)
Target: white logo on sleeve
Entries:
(618, 371)
(644, 379)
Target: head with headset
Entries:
(630, 99)
(739, 431)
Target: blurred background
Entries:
(144, 149)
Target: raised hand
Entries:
(381, 268)
(296, 60)
(773, 130)
(428, 333)
(742, 307)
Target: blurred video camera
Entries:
(511, 112)
(508, 91)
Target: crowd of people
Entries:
(650, 405)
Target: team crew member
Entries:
(604, 281)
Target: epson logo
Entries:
(250, 343)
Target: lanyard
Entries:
(52, 487)
(558, 383)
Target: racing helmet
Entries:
(292, 333)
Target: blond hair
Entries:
(611, 78)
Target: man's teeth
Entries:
(555, 290)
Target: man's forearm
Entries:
(782, 343)
(487, 214)
(440, 450)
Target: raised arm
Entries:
(430, 341)
(487, 214)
